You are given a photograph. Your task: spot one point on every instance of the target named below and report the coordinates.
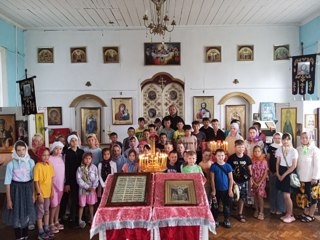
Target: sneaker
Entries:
(283, 217)
(289, 219)
(261, 216)
(59, 226)
(43, 236)
(50, 234)
(53, 229)
(255, 214)
(226, 223)
(82, 224)
(31, 227)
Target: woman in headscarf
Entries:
(232, 137)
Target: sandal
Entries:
(301, 216)
(307, 219)
(241, 218)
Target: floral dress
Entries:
(259, 168)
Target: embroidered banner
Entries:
(303, 72)
(28, 97)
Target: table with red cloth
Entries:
(155, 221)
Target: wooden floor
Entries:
(270, 228)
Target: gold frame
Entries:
(239, 111)
(124, 118)
(95, 115)
(242, 54)
(197, 102)
(281, 52)
(186, 197)
(57, 119)
(45, 55)
(78, 54)
(10, 128)
(310, 120)
(111, 54)
(213, 54)
(292, 121)
(40, 127)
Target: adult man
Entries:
(173, 115)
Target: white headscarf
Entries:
(15, 156)
(72, 137)
(236, 126)
(276, 145)
(56, 144)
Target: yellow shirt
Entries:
(177, 135)
(43, 174)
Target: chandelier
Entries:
(158, 24)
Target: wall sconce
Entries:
(235, 81)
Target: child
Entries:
(276, 197)
(190, 166)
(189, 141)
(118, 158)
(241, 165)
(131, 165)
(133, 144)
(168, 147)
(158, 125)
(19, 210)
(180, 150)
(153, 132)
(162, 142)
(167, 129)
(57, 186)
(106, 167)
(253, 140)
(94, 148)
(43, 174)
(207, 130)
(287, 158)
(114, 140)
(173, 166)
(205, 165)
(201, 137)
(221, 184)
(88, 180)
(126, 141)
(147, 136)
(179, 133)
(140, 129)
(259, 175)
(218, 134)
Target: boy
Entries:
(114, 139)
(218, 134)
(168, 147)
(140, 129)
(179, 133)
(146, 136)
(205, 165)
(241, 165)
(201, 137)
(133, 144)
(167, 129)
(173, 166)
(190, 165)
(153, 133)
(162, 142)
(207, 130)
(158, 124)
(126, 141)
(189, 141)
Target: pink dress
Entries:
(259, 168)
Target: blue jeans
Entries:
(275, 196)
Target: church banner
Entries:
(303, 72)
(28, 97)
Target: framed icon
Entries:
(78, 54)
(180, 192)
(45, 55)
(54, 115)
(122, 111)
(245, 53)
(281, 52)
(213, 54)
(111, 54)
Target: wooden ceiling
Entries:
(97, 14)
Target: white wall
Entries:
(59, 83)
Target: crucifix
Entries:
(162, 83)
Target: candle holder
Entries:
(214, 145)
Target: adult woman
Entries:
(232, 137)
(286, 163)
(308, 170)
(37, 145)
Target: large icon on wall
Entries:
(162, 53)
(90, 122)
(203, 107)
(122, 111)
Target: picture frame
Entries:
(267, 111)
(236, 112)
(122, 111)
(7, 132)
(22, 131)
(281, 52)
(90, 122)
(111, 54)
(45, 55)
(289, 122)
(179, 192)
(129, 189)
(310, 121)
(160, 53)
(54, 115)
(203, 106)
(40, 127)
(245, 53)
(78, 54)
(256, 117)
(213, 54)
(54, 133)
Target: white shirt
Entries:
(292, 154)
(308, 163)
(113, 170)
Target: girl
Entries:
(286, 163)
(259, 175)
(43, 174)
(57, 187)
(309, 173)
(106, 167)
(88, 180)
(180, 150)
(93, 147)
(19, 210)
(276, 196)
(131, 165)
(252, 141)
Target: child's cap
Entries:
(143, 143)
(56, 144)
(72, 137)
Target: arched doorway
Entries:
(158, 93)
